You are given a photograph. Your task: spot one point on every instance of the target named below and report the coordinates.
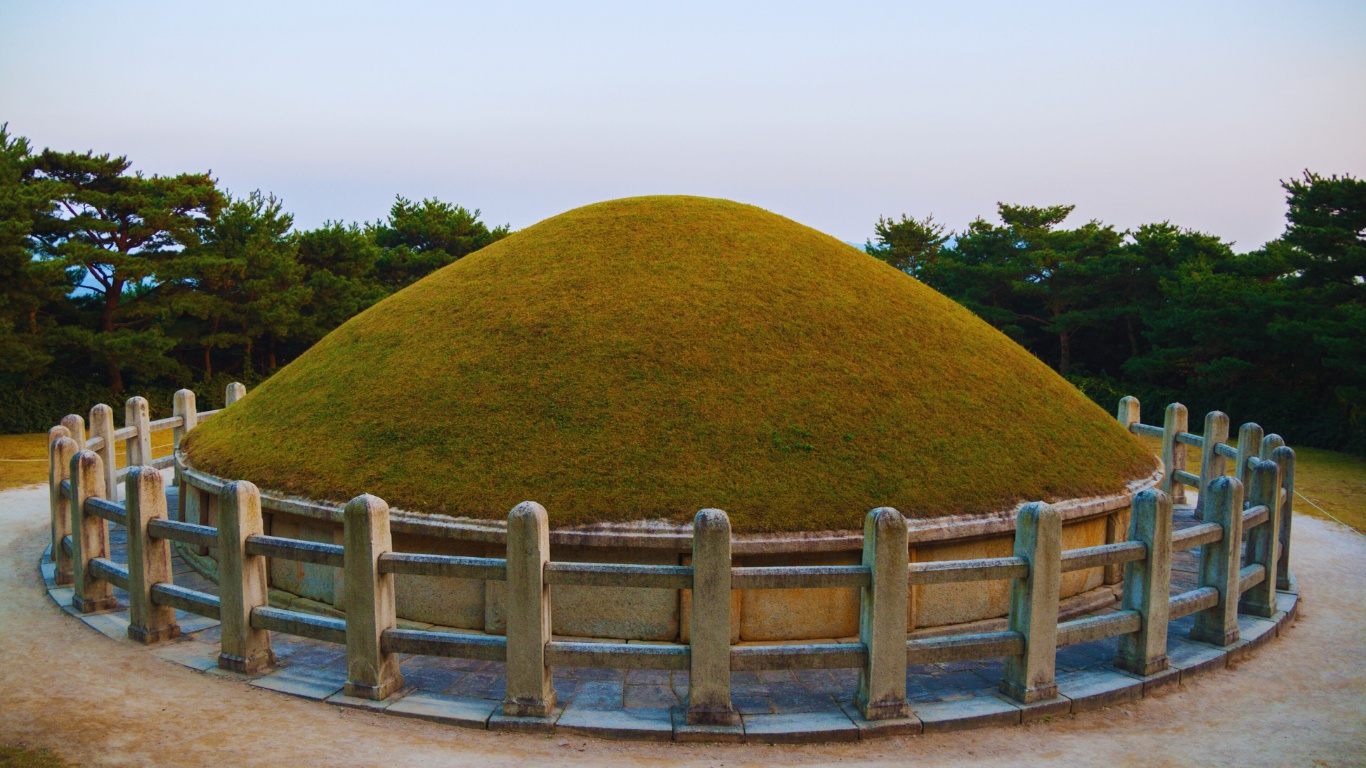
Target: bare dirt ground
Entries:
(1299, 701)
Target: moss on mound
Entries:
(648, 357)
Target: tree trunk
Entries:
(1133, 336)
(111, 305)
(272, 353)
(208, 363)
(1065, 347)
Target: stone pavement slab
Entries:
(501, 722)
(111, 625)
(638, 723)
(800, 727)
(370, 705)
(189, 653)
(1098, 687)
(869, 729)
(732, 734)
(962, 714)
(306, 682)
(1193, 657)
(1287, 602)
(1040, 710)
(1253, 633)
(442, 708)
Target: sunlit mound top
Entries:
(641, 359)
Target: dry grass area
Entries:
(648, 357)
(1329, 484)
(19, 756)
(23, 458)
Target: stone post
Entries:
(137, 414)
(1034, 605)
(1285, 457)
(1211, 463)
(1147, 585)
(102, 426)
(75, 428)
(1249, 447)
(530, 692)
(1175, 421)
(709, 634)
(234, 392)
(1270, 443)
(54, 495)
(89, 536)
(1221, 563)
(60, 452)
(1117, 522)
(1128, 414)
(149, 559)
(241, 580)
(882, 617)
(370, 672)
(183, 406)
(1264, 484)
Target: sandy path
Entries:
(1300, 701)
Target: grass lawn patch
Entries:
(23, 458)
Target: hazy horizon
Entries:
(830, 116)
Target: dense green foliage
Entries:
(1276, 335)
(115, 282)
(112, 282)
(649, 357)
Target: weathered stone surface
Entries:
(639, 723)
(1253, 633)
(371, 673)
(1194, 658)
(1085, 533)
(1034, 606)
(316, 582)
(709, 692)
(801, 727)
(792, 614)
(149, 559)
(974, 712)
(1040, 710)
(242, 582)
(882, 617)
(1148, 586)
(1220, 561)
(530, 692)
(448, 602)
(454, 710)
(1098, 687)
(687, 732)
(874, 729)
(305, 682)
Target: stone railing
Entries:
(1255, 505)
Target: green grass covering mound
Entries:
(649, 357)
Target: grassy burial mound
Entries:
(641, 359)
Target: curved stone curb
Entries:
(1079, 691)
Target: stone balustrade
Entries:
(1256, 503)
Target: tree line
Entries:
(114, 282)
(1276, 335)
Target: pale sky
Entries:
(831, 114)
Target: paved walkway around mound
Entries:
(1301, 699)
